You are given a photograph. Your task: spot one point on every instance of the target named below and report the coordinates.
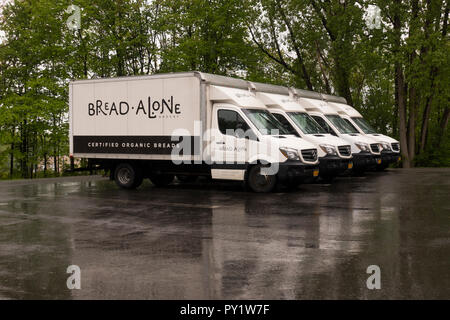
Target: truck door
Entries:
(230, 146)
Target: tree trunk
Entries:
(443, 124)
(45, 164)
(400, 86)
(412, 125)
(400, 89)
(11, 162)
(342, 83)
(424, 127)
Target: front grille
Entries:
(344, 150)
(309, 155)
(375, 148)
(396, 147)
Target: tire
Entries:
(258, 182)
(161, 180)
(128, 176)
(186, 179)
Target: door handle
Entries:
(220, 142)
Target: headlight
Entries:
(386, 146)
(328, 149)
(363, 146)
(289, 153)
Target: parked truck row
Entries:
(193, 124)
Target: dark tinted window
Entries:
(286, 124)
(306, 123)
(266, 123)
(231, 120)
(351, 125)
(324, 124)
(340, 124)
(364, 125)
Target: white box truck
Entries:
(335, 157)
(365, 150)
(186, 125)
(390, 151)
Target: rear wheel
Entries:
(161, 180)
(128, 176)
(260, 182)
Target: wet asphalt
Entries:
(215, 241)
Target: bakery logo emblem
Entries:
(151, 108)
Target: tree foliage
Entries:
(396, 74)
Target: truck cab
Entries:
(365, 151)
(247, 142)
(335, 156)
(390, 148)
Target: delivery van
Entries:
(390, 148)
(365, 150)
(186, 125)
(335, 157)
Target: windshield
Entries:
(340, 124)
(307, 124)
(364, 125)
(266, 123)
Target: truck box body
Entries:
(132, 117)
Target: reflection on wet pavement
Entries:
(215, 241)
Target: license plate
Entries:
(379, 161)
(350, 165)
(316, 173)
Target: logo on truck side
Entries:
(151, 108)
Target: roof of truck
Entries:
(345, 109)
(206, 77)
(268, 88)
(282, 101)
(331, 98)
(306, 94)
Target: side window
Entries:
(286, 124)
(323, 124)
(231, 121)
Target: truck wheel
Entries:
(161, 180)
(127, 176)
(185, 178)
(259, 182)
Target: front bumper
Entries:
(292, 172)
(364, 161)
(331, 166)
(388, 157)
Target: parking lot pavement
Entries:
(215, 241)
